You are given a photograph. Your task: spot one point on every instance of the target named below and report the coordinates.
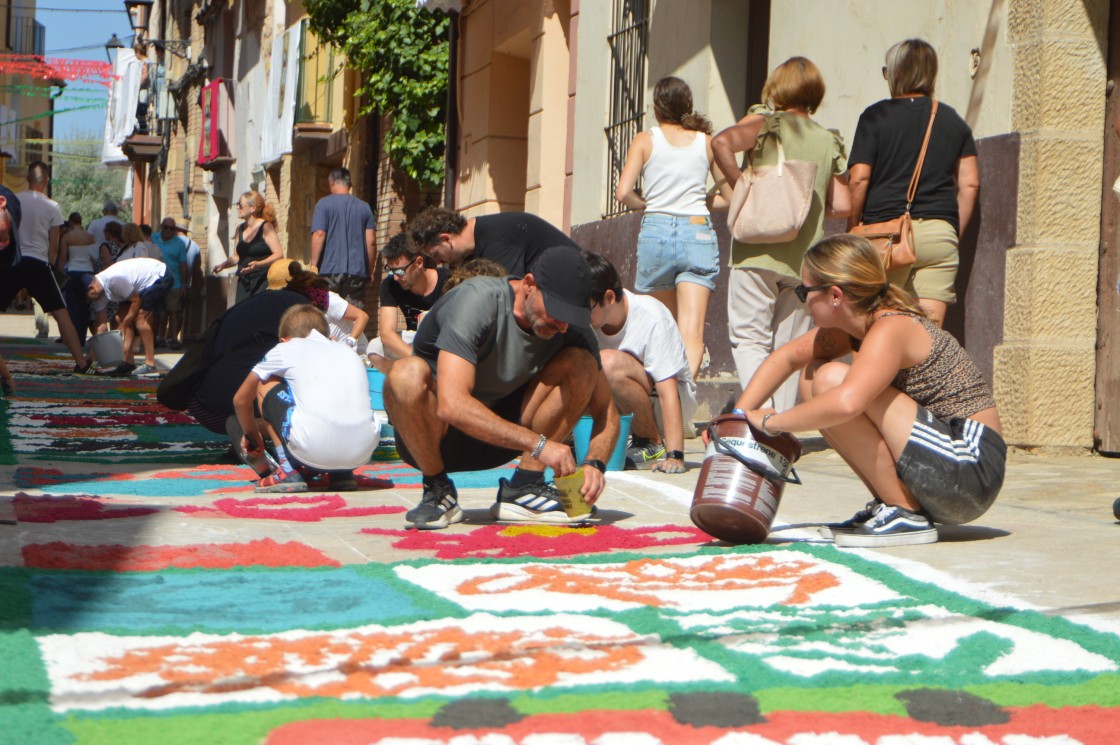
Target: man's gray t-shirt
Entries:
(345, 219)
(475, 321)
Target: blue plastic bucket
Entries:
(376, 387)
(582, 436)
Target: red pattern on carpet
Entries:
(117, 558)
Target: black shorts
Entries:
(954, 469)
(154, 299)
(461, 452)
(350, 287)
(37, 278)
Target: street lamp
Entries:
(113, 45)
(139, 16)
(139, 11)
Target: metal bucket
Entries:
(107, 348)
(742, 479)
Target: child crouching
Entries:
(313, 396)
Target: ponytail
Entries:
(696, 122)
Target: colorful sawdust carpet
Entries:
(480, 635)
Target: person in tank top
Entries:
(911, 414)
(258, 245)
(78, 253)
(678, 256)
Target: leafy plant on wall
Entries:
(401, 53)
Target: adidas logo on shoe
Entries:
(438, 508)
(532, 503)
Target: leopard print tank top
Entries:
(948, 383)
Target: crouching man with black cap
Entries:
(501, 368)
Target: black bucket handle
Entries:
(763, 470)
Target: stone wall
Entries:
(1044, 369)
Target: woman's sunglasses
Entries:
(802, 291)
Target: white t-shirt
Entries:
(126, 277)
(97, 228)
(341, 327)
(40, 214)
(333, 425)
(651, 335)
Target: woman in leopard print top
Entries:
(911, 414)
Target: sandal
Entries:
(279, 482)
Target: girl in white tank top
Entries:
(678, 256)
(82, 258)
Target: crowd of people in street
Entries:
(497, 333)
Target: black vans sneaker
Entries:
(532, 503)
(438, 508)
(889, 526)
(855, 520)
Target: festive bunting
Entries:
(57, 68)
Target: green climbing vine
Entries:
(401, 54)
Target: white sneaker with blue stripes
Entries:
(532, 503)
(889, 525)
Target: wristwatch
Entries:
(598, 464)
(674, 455)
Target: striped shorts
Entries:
(954, 468)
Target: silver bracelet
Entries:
(539, 448)
(766, 419)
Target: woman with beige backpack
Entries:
(763, 312)
(915, 157)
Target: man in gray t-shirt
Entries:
(343, 246)
(503, 367)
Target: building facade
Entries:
(551, 92)
(245, 98)
(26, 105)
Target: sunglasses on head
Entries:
(802, 291)
(400, 270)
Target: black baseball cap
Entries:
(564, 280)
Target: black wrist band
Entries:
(674, 455)
(597, 464)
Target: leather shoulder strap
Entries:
(913, 190)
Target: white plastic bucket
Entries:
(107, 348)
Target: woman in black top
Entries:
(257, 245)
(884, 152)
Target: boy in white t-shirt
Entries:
(643, 358)
(143, 284)
(313, 395)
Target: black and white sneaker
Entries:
(438, 508)
(889, 526)
(532, 503)
(855, 520)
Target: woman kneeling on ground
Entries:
(911, 414)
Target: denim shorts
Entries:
(676, 249)
(953, 468)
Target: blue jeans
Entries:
(676, 249)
